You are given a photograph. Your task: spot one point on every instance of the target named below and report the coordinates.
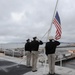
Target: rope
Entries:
(44, 34)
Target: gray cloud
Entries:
(22, 19)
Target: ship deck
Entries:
(16, 66)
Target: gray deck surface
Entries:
(12, 68)
(16, 66)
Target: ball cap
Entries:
(27, 39)
(34, 37)
(51, 37)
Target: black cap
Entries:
(34, 37)
(27, 39)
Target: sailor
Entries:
(34, 46)
(50, 48)
(28, 53)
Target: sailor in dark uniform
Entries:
(28, 52)
(50, 48)
(34, 46)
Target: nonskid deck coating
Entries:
(22, 69)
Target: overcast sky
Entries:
(22, 19)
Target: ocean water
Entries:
(12, 45)
(21, 45)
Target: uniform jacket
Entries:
(28, 46)
(50, 46)
(35, 45)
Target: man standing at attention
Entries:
(50, 48)
(28, 52)
(34, 46)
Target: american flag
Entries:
(57, 23)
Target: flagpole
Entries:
(49, 31)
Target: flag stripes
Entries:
(57, 24)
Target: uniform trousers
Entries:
(51, 61)
(34, 60)
(28, 58)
